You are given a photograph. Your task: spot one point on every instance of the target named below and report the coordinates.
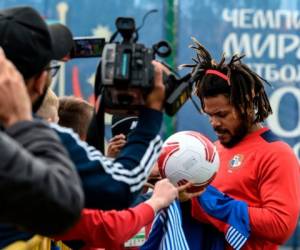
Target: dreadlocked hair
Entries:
(244, 88)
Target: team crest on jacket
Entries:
(236, 161)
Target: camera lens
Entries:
(125, 99)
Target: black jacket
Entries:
(115, 184)
(39, 188)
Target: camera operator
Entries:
(33, 164)
(107, 184)
(116, 183)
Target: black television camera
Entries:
(125, 73)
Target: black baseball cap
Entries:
(122, 124)
(29, 42)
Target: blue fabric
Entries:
(269, 136)
(166, 232)
(200, 236)
(176, 229)
(233, 212)
(9, 234)
(173, 230)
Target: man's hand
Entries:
(15, 103)
(152, 179)
(156, 98)
(115, 145)
(164, 194)
(185, 194)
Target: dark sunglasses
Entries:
(53, 69)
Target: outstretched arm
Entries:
(115, 184)
(111, 229)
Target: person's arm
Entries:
(113, 228)
(39, 188)
(115, 184)
(106, 229)
(279, 185)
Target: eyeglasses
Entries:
(53, 69)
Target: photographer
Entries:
(33, 165)
(107, 184)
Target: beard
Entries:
(239, 133)
(38, 103)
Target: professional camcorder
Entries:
(125, 74)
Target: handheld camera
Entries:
(125, 74)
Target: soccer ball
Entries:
(189, 156)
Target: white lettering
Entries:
(296, 20)
(257, 67)
(284, 47)
(233, 44)
(267, 71)
(297, 73)
(231, 17)
(259, 48)
(273, 120)
(245, 21)
(264, 19)
(283, 19)
(288, 73)
(272, 73)
(258, 45)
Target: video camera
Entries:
(125, 74)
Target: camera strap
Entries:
(95, 135)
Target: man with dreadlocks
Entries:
(256, 167)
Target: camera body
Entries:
(125, 74)
(126, 70)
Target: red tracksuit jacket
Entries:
(264, 172)
(109, 230)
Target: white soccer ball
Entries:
(189, 156)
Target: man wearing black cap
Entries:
(33, 163)
(40, 190)
(30, 44)
(107, 184)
